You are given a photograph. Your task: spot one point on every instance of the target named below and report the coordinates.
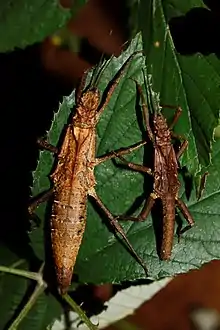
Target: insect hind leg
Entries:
(117, 227)
(187, 215)
(149, 203)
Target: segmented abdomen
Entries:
(68, 221)
(72, 179)
(168, 204)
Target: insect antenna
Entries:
(100, 71)
(96, 70)
(103, 62)
(83, 81)
(152, 97)
(147, 86)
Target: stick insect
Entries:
(73, 180)
(165, 174)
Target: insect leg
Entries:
(149, 203)
(183, 146)
(135, 167)
(122, 151)
(176, 115)
(43, 144)
(185, 211)
(80, 87)
(145, 111)
(37, 200)
(115, 83)
(148, 206)
(117, 227)
(182, 149)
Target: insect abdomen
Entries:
(168, 204)
(68, 223)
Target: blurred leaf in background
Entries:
(25, 22)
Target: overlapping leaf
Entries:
(102, 258)
(24, 22)
(14, 289)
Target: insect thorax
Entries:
(87, 108)
(90, 100)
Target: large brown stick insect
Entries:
(165, 173)
(73, 180)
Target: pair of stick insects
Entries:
(73, 179)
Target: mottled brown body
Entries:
(165, 173)
(166, 182)
(73, 181)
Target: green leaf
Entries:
(44, 312)
(77, 4)
(102, 258)
(191, 82)
(12, 288)
(24, 22)
(15, 292)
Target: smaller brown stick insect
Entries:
(73, 180)
(165, 173)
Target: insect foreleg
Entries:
(115, 83)
(176, 115)
(145, 111)
(187, 215)
(117, 227)
(120, 152)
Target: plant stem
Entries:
(80, 312)
(37, 292)
(17, 263)
(19, 272)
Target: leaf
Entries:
(25, 22)
(187, 81)
(124, 303)
(45, 310)
(102, 258)
(15, 292)
(12, 288)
